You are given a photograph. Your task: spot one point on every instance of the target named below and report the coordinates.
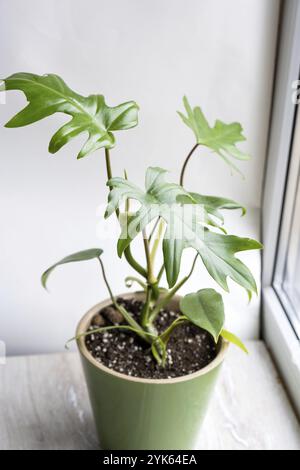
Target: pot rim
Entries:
(84, 323)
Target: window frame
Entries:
(277, 330)
(291, 203)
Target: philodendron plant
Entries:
(168, 214)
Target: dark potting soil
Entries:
(189, 349)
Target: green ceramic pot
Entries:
(133, 413)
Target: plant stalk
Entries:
(108, 164)
(133, 263)
(160, 273)
(152, 286)
(128, 255)
(151, 278)
(171, 293)
(156, 240)
(145, 310)
(186, 162)
(130, 320)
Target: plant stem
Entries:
(154, 228)
(171, 293)
(152, 286)
(108, 164)
(151, 277)
(134, 264)
(160, 224)
(128, 255)
(127, 202)
(165, 336)
(130, 320)
(106, 282)
(145, 310)
(186, 162)
(156, 240)
(160, 273)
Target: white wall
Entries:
(220, 53)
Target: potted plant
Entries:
(150, 358)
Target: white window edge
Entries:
(282, 123)
(277, 330)
(282, 343)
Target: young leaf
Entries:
(79, 256)
(184, 229)
(222, 138)
(234, 339)
(205, 309)
(130, 280)
(49, 94)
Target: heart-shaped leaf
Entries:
(49, 94)
(79, 256)
(205, 309)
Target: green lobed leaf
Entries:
(234, 340)
(213, 205)
(79, 256)
(205, 309)
(221, 139)
(49, 94)
(158, 201)
(218, 251)
(158, 198)
(183, 229)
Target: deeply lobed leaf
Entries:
(49, 94)
(212, 206)
(184, 229)
(221, 139)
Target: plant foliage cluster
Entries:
(164, 208)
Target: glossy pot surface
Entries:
(135, 413)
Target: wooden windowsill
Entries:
(45, 405)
